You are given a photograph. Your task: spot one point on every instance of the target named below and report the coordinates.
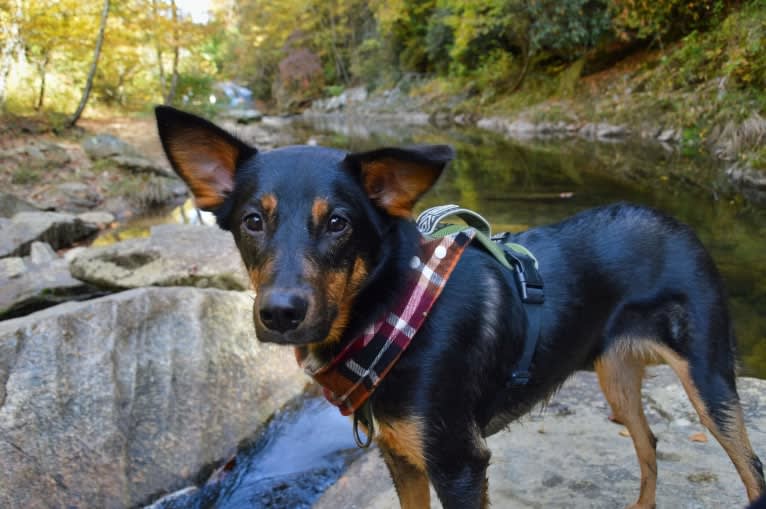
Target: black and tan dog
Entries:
(327, 236)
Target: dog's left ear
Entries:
(204, 155)
(395, 178)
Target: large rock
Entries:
(143, 165)
(174, 255)
(36, 282)
(109, 402)
(242, 115)
(102, 146)
(37, 155)
(57, 229)
(571, 455)
(11, 205)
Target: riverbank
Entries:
(698, 96)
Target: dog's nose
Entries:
(282, 311)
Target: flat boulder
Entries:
(38, 281)
(11, 205)
(102, 146)
(570, 455)
(138, 165)
(57, 229)
(110, 402)
(38, 155)
(174, 255)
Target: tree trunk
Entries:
(176, 50)
(158, 49)
(525, 48)
(93, 67)
(42, 68)
(10, 50)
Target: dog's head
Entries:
(308, 221)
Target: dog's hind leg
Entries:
(711, 388)
(620, 371)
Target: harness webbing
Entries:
(514, 257)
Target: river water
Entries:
(516, 185)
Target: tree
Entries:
(10, 18)
(94, 65)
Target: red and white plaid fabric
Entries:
(352, 376)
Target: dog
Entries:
(327, 237)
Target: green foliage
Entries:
(25, 176)
(568, 27)
(735, 54)
(487, 47)
(665, 19)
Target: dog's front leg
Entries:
(457, 467)
(410, 481)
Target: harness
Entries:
(516, 258)
(350, 378)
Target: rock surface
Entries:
(38, 281)
(11, 205)
(57, 229)
(137, 164)
(242, 115)
(174, 255)
(101, 146)
(571, 456)
(38, 155)
(110, 402)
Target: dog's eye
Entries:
(254, 222)
(337, 224)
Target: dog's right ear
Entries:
(204, 155)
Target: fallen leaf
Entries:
(698, 437)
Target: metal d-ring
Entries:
(368, 423)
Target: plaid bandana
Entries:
(352, 376)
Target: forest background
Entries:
(697, 64)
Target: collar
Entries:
(351, 377)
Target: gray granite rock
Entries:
(137, 164)
(57, 229)
(38, 281)
(11, 205)
(108, 402)
(102, 146)
(38, 154)
(174, 255)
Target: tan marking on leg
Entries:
(269, 204)
(405, 438)
(732, 437)
(411, 482)
(620, 372)
(319, 211)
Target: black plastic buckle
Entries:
(531, 292)
(520, 377)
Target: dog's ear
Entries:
(395, 178)
(204, 155)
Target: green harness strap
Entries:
(514, 257)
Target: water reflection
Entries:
(517, 186)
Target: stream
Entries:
(516, 186)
